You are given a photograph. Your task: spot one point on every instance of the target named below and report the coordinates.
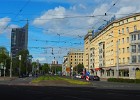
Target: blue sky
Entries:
(58, 24)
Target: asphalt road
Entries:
(14, 92)
(20, 89)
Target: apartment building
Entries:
(73, 58)
(114, 50)
(65, 67)
(19, 39)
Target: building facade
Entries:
(65, 67)
(73, 58)
(114, 50)
(19, 39)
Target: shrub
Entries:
(123, 80)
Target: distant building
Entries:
(54, 61)
(73, 58)
(65, 68)
(19, 39)
(54, 67)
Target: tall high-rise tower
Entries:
(19, 39)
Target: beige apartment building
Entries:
(114, 51)
(73, 58)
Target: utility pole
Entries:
(117, 66)
(11, 66)
(20, 65)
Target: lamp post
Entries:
(71, 72)
(117, 58)
(19, 65)
(4, 68)
(11, 66)
(1, 67)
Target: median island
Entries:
(58, 81)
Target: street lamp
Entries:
(117, 58)
(71, 72)
(1, 67)
(11, 66)
(20, 65)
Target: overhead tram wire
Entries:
(105, 14)
(18, 13)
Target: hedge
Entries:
(123, 80)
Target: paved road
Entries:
(14, 92)
(19, 89)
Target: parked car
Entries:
(94, 78)
(78, 76)
(83, 77)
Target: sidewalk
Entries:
(7, 78)
(103, 79)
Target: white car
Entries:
(78, 76)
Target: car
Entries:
(94, 78)
(78, 76)
(83, 76)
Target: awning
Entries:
(97, 69)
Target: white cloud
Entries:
(125, 10)
(3, 23)
(80, 25)
(98, 11)
(41, 59)
(58, 12)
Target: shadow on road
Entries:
(15, 92)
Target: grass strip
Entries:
(72, 81)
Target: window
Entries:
(127, 39)
(127, 29)
(127, 59)
(119, 23)
(134, 18)
(123, 30)
(133, 37)
(123, 60)
(134, 59)
(134, 48)
(138, 58)
(119, 50)
(112, 61)
(122, 22)
(122, 40)
(139, 48)
(128, 49)
(119, 60)
(138, 36)
(119, 41)
(123, 50)
(127, 20)
(119, 32)
(135, 28)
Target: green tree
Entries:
(45, 68)
(55, 69)
(79, 68)
(23, 62)
(5, 59)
